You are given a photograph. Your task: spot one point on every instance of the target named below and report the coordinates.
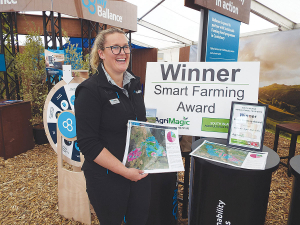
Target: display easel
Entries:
(73, 202)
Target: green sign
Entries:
(215, 125)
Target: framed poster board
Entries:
(247, 125)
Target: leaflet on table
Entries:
(10, 102)
(153, 148)
(231, 156)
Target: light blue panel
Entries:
(2, 63)
(223, 35)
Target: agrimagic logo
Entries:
(181, 123)
(99, 7)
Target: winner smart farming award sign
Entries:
(197, 96)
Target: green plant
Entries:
(73, 57)
(30, 64)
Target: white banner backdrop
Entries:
(197, 96)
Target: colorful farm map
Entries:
(220, 153)
(147, 149)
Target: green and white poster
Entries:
(197, 96)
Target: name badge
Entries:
(114, 101)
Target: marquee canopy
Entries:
(168, 23)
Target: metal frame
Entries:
(50, 36)
(270, 15)
(87, 29)
(8, 32)
(165, 32)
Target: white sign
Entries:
(197, 96)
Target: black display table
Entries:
(223, 194)
(294, 214)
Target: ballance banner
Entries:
(197, 96)
(115, 13)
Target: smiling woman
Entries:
(104, 103)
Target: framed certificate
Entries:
(247, 125)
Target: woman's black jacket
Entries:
(102, 111)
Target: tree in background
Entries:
(74, 57)
(31, 68)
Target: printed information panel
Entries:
(223, 35)
(247, 125)
(153, 148)
(197, 96)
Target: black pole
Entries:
(204, 35)
(53, 33)
(130, 62)
(59, 31)
(45, 29)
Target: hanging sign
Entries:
(197, 96)
(116, 13)
(223, 35)
(235, 9)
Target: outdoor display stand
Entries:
(61, 98)
(294, 214)
(223, 194)
(163, 204)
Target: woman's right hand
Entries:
(109, 161)
(135, 174)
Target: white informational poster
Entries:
(197, 96)
(231, 156)
(153, 148)
(247, 125)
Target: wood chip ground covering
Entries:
(28, 188)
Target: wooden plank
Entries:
(140, 57)
(184, 54)
(73, 202)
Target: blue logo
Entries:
(67, 124)
(89, 5)
(72, 99)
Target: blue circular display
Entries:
(67, 124)
(72, 99)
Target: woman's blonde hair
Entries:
(99, 44)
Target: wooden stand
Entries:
(73, 202)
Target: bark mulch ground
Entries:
(28, 188)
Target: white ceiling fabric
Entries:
(174, 17)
